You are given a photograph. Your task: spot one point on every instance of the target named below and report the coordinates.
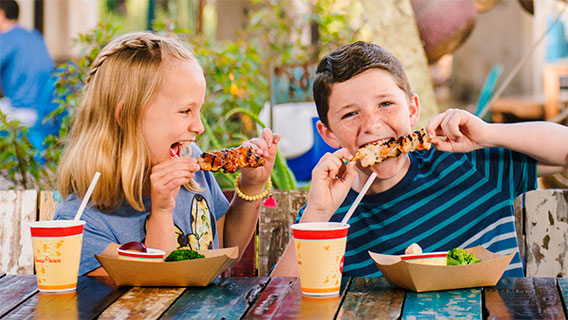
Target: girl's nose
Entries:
(196, 125)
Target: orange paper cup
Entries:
(320, 249)
(57, 252)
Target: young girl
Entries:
(142, 104)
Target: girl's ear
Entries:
(414, 110)
(117, 111)
(327, 135)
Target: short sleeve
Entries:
(96, 235)
(512, 172)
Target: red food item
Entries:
(134, 246)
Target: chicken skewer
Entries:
(378, 152)
(229, 160)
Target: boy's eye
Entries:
(385, 103)
(347, 115)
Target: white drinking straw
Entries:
(87, 195)
(359, 197)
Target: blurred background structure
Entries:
(502, 59)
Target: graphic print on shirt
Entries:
(201, 237)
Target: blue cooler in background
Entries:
(301, 143)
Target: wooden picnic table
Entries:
(281, 298)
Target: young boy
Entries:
(457, 194)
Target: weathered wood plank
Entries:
(48, 202)
(563, 287)
(547, 233)
(452, 304)
(369, 298)
(17, 208)
(274, 227)
(282, 299)
(523, 298)
(142, 303)
(93, 295)
(224, 299)
(519, 209)
(14, 290)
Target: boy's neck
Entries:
(381, 185)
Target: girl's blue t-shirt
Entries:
(195, 217)
(445, 201)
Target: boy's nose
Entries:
(369, 120)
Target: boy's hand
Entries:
(329, 185)
(166, 179)
(464, 131)
(253, 179)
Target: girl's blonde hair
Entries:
(106, 134)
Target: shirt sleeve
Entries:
(96, 235)
(512, 172)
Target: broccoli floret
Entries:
(459, 256)
(183, 254)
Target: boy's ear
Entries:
(414, 110)
(327, 135)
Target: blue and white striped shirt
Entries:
(445, 201)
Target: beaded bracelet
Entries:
(255, 197)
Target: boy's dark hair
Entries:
(348, 61)
(10, 8)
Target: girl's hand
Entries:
(166, 179)
(253, 179)
(331, 181)
(464, 131)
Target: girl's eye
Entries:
(347, 115)
(385, 103)
(187, 111)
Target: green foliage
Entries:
(239, 81)
(17, 157)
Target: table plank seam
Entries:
(15, 306)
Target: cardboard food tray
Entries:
(422, 277)
(197, 272)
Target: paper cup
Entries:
(57, 252)
(320, 249)
(153, 255)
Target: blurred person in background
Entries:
(25, 71)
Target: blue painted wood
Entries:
(93, 296)
(225, 299)
(367, 298)
(452, 304)
(282, 299)
(563, 286)
(524, 298)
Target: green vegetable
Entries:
(459, 256)
(183, 254)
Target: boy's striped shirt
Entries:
(445, 201)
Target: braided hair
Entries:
(106, 135)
